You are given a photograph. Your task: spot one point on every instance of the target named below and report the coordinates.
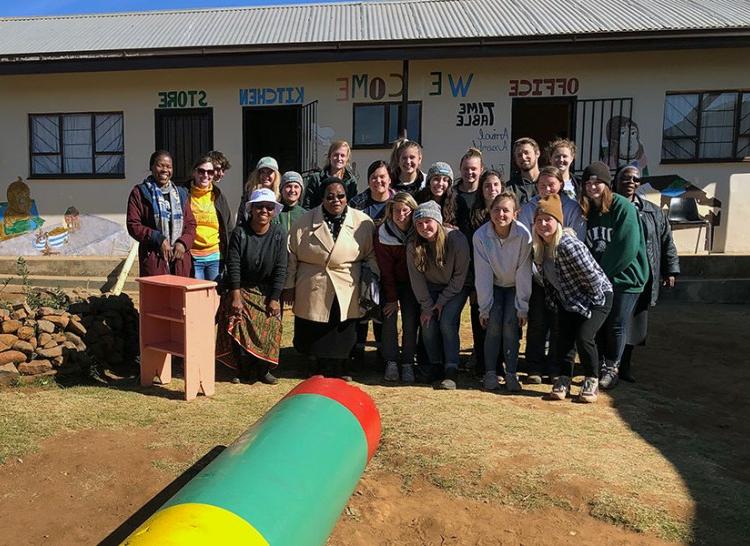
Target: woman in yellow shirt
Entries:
(213, 219)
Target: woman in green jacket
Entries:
(615, 238)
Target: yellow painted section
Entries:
(195, 525)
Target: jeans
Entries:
(441, 337)
(502, 330)
(613, 335)
(539, 320)
(409, 308)
(206, 271)
(477, 332)
(572, 328)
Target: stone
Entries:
(35, 367)
(45, 326)
(44, 338)
(58, 361)
(4, 313)
(50, 344)
(3, 347)
(34, 342)
(19, 314)
(8, 374)
(60, 320)
(23, 346)
(80, 345)
(8, 339)
(10, 326)
(69, 345)
(12, 356)
(22, 305)
(25, 333)
(76, 327)
(46, 311)
(49, 353)
(58, 337)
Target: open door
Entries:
(186, 133)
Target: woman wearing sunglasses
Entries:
(249, 334)
(328, 247)
(213, 221)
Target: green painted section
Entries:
(291, 474)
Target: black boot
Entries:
(265, 375)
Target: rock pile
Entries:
(99, 332)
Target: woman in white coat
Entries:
(328, 248)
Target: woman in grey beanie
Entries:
(437, 258)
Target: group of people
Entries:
(578, 262)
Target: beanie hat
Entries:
(550, 205)
(597, 170)
(440, 169)
(291, 176)
(428, 209)
(267, 163)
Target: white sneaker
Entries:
(407, 373)
(491, 382)
(391, 371)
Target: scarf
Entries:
(167, 213)
(395, 231)
(334, 223)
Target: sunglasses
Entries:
(209, 172)
(631, 178)
(335, 197)
(267, 206)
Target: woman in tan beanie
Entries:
(576, 285)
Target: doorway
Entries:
(186, 133)
(544, 120)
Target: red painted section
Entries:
(353, 398)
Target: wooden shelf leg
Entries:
(155, 364)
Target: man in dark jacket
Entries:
(526, 162)
(663, 262)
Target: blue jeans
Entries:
(441, 337)
(613, 334)
(409, 308)
(207, 271)
(502, 330)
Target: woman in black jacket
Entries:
(663, 262)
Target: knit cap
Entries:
(551, 205)
(291, 176)
(428, 209)
(440, 169)
(597, 170)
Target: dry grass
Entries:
(613, 460)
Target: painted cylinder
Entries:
(284, 482)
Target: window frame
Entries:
(736, 135)
(94, 153)
(386, 125)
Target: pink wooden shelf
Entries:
(171, 347)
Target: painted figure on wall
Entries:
(19, 214)
(623, 146)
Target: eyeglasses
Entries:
(631, 179)
(209, 172)
(267, 206)
(335, 197)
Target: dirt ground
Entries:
(689, 408)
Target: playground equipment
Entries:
(284, 482)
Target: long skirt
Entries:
(254, 331)
(333, 339)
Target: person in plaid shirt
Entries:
(576, 285)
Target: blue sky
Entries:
(63, 7)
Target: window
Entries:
(89, 145)
(376, 124)
(710, 126)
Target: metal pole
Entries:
(403, 118)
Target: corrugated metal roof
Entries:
(355, 23)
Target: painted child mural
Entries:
(623, 146)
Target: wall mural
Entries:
(621, 145)
(24, 233)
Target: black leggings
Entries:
(572, 328)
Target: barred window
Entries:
(376, 124)
(709, 126)
(81, 145)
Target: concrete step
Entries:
(715, 266)
(707, 290)
(103, 284)
(68, 266)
